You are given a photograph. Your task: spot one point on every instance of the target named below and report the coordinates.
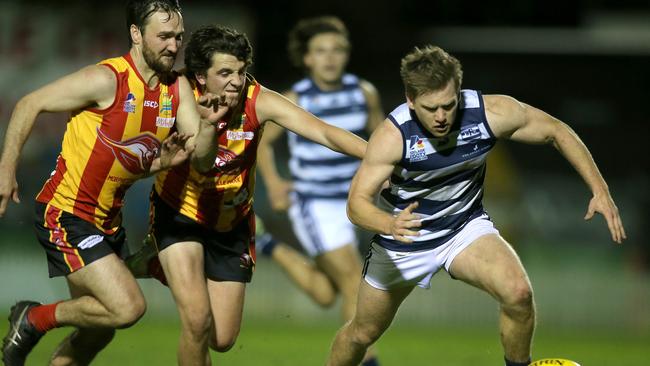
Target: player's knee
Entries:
(365, 335)
(197, 323)
(520, 295)
(130, 312)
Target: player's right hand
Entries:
(406, 224)
(8, 190)
(212, 107)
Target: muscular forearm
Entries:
(362, 212)
(574, 150)
(346, 142)
(207, 147)
(20, 126)
(266, 164)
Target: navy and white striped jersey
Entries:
(445, 175)
(317, 171)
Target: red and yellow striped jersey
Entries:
(105, 151)
(221, 198)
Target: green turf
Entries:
(284, 342)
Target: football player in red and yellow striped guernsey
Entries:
(203, 224)
(124, 110)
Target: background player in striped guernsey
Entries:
(433, 149)
(203, 224)
(321, 177)
(122, 108)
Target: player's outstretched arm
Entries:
(91, 86)
(272, 106)
(518, 121)
(384, 152)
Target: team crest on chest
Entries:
(135, 154)
(129, 103)
(416, 149)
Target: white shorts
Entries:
(385, 269)
(321, 225)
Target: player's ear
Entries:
(201, 79)
(409, 102)
(136, 34)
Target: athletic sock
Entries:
(510, 363)
(43, 317)
(370, 362)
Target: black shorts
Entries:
(228, 256)
(70, 242)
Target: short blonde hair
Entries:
(429, 69)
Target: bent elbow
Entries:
(202, 166)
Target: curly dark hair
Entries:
(210, 39)
(306, 29)
(138, 11)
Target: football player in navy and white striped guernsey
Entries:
(321, 178)
(433, 150)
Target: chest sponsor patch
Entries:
(165, 122)
(470, 133)
(240, 135)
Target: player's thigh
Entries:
(491, 264)
(109, 281)
(227, 304)
(341, 265)
(183, 264)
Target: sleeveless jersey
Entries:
(445, 175)
(221, 198)
(317, 171)
(105, 151)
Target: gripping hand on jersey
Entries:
(405, 224)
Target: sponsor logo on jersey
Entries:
(151, 103)
(166, 106)
(90, 241)
(135, 154)
(240, 135)
(472, 132)
(165, 122)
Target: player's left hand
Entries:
(8, 189)
(175, 150)
(212, 107)
(604, 204)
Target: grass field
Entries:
(284, 342)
